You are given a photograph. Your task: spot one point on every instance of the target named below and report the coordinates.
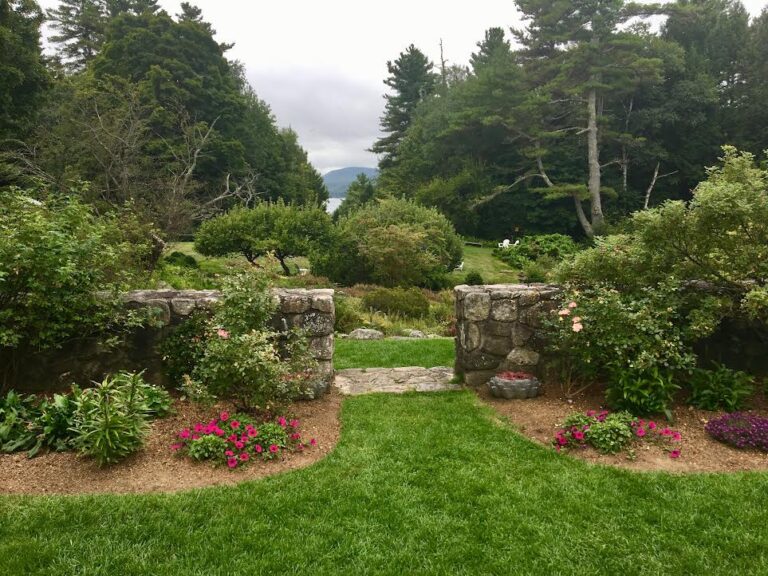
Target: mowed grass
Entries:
(481, 259)
(388, 353)
(419, 484)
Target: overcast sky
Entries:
(320, 64)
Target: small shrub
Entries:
(110, 422)
(180, 259)
(184, 347)
(237, 439)
(740, 430)
(534, 272)
(473, 279)
(553, 247)
(57, 417)
(720, 389)
(17, 412)
(348, 316)
(642, 392)
(410, 303)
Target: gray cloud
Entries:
(335, 116)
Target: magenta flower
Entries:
(666, 432)
(218, 431)
(244, 457)
(234, 424)
(184, 433)
(590, 413)
(252, 432)
(294, 423)
(300, 447)
(273, 448)
(579, 435)
(229, 453)
(232, 462)
(561, 440)
(224, 416)
(282, 421)
(640, 432)
(674, 454)
(652, 425)
(232, 438)
(239, 445)
(313, 442)
(177, 446)
(259, 449)
(676, 436)
(295, 436)
(198, 427)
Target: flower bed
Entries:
(740, 430)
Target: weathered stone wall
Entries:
(85, 360)
(497, 328)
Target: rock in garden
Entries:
(414, 334)
(365, 334)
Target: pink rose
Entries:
(223, 334)
(577, 327)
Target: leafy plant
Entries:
(552, 247)
(642, 392)
(183, 348)
(207, 447)
(17, 430)
(56, 419)
(473, 278)
(410, 302)
(180, 259)
(720, 389)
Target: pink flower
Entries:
(195, 436)
(674, 454)
(229, 453)
(640, 432)
(676, 436)
(234, 424)
(666, 432)
(224, 416)
(273, 448)
(232, 438)
(564, 312)
(282, 421)
(295, 436)
(259, 449)
(293, 423)
(184, 433)
(239, 445)
(232, 462)
(577, 327)
(222, 333)
(198, 427)
(576, 319)
(300, 447)
(313, 442)
(176, 446)
(590, 413)
(244, 457)
(561, 440)
(579, 435)
(218, 431)
(252, 432)
(572, 305)
(652, 425)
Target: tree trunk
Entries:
(583, 220)
(594, 166)
(281, 259)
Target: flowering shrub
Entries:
(237, 439)
(611, 432)
(740, 430)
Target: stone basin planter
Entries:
(514, 385)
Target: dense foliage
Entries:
(640, 301)
(393, 243)
(61, 266)
(410, 303)
(551, 247)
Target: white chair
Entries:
(460, 267)
(504, 245)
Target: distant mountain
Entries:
(337, 181)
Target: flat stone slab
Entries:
(356, 381)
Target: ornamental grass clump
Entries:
(611, 432)
(740, 430)
(237, 439)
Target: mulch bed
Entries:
(539, 418)
(157, 468)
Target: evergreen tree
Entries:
(80, 26)
(412, 80)
(494, 47)
(23, 77)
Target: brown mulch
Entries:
(156, 468)
(539, 419)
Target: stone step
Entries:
(356, 381)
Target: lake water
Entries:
(333, 203)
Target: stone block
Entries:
(469, 336)
(322, 348)
(183, 306)
(521, 359)
(504, 310)
(494, 328)
(477, 306)
(316, 323)
(365, 334)
(529, 298)
(499, 346)
(477, 378)
(479, 360)
(294, 303)
(521, 334)
(323, 303)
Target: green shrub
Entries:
(184, 347)
(392, 243)
(720, 389)
(110, 421)
(642, 392)
(61, 268)
(348, 317)
(534, 272)
(17, 413)
(410, 303)
(473, 279)
(56, 419)
(611, 435)
(180, 259)
(554, 247)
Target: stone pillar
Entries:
(497, 328)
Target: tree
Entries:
(580, 54)
(359, 193)
(283, 229)
(23, 77)
(492, 49)
(411, 78)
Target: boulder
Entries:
(365, 334)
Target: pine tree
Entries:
(80, 26)
(412, 79)
(494, 47)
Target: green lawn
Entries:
(419, 484)
(493, 270)
(393, 353)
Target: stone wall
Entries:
(85, 360)
(497, 328)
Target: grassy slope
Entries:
(425, 484)
(481, 260)
(393, 353)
